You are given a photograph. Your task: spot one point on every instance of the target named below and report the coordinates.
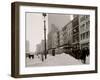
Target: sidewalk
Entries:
(61, 59)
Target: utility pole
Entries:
(45, 52)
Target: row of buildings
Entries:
(73, 33)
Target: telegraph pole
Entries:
(45, 52)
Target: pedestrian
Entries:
(87, 51)
(78, 53)
(83, 55)
(42, 58)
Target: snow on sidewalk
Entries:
(33, 62)
(59, 59)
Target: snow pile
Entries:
(62, 59)
(57, 60)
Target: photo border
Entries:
(15, 32)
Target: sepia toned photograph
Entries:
(53, 39)
(57, 39)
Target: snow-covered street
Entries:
(59, 59)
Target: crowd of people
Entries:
(80, 53)
(30, 56)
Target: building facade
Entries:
(55, 24)
(84, 30)
(67, 37)
(75, 31)
(51, 39)
(55, 40)
(61, 37)
(67, 33)
(38, 49)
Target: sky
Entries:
(35, 29)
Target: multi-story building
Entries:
(55, 23)
(55, 40)
(61, 37)
(75, 31)
(67, 37)
(61, 41)
(51, 38)
(38, 49)
(67, 33)
(84, 30)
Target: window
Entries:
(82, 18)
(87, 16)
(82, 27)
(87, 34)
(83, 35)
(75, 39)
(75, 22)
(87, 25)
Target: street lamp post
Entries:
(45, 52)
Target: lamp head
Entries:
(44, 14)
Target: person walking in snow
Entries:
(83, 55)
